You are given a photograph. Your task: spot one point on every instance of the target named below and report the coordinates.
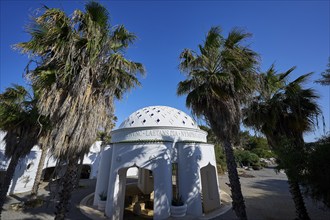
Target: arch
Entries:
(210, 190)
(135, 197)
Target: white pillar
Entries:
(116, 195)
(162, 189)
(103, 174)
(189, 178)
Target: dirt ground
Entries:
(267, 197)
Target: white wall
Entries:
(24, 178)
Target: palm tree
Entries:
(44, 152)
(219, 79)
(80, 69)
(284, 112)
(20, 119)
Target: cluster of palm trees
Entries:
(80, 68)
(224, 87)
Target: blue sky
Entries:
(287, 33)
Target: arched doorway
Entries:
(210, 190)
(138, 194)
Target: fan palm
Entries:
(20, 119)
(284, 112)
(80, 69)
(219, 79)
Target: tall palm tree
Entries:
(284, 112)
(20, 119)
(81, 68)
(219, 79)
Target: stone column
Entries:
(103, 174)
(189, 178)
(116, 195)
(162, 189)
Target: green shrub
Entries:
(246, 158)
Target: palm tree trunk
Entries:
(298, 200)
(37, 180)
(8, 177)
(68, 185)
(235, 185)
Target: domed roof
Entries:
(159, 116)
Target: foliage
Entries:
(317, 174)
(219, 79)
(259, 146)
(80, 68)
(220, 159)
(283, 112)
(325, 80)
(20, 119)
(247, 158)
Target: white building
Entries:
(26, 169)
(150, 142)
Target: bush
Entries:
(246, 158)
(220, 158)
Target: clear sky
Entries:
(287, 33)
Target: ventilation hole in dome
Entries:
(151, 114)
(183, 122)
(144, 121)
(132, 122)
(186, 117)
(179, 113)
(192, 123)
(138, 113)
(147, 111)
(158, 120)
(139, 116)
(158, 111)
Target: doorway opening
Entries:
(138, 194)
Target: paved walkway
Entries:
(46, 211)
(267, 198)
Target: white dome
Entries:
(159, 116)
